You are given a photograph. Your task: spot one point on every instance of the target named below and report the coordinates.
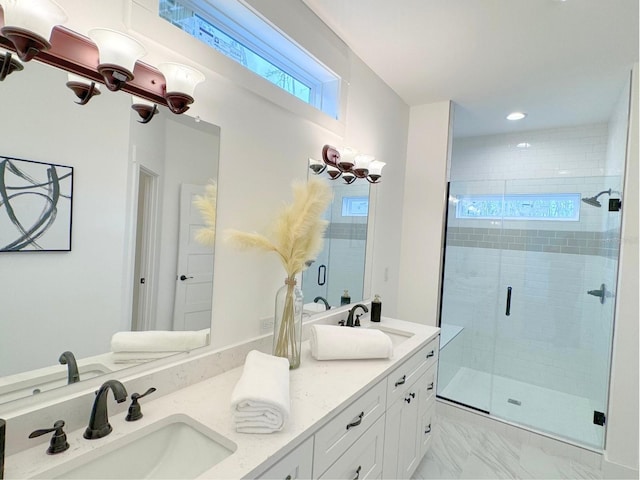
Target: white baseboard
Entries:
(615, 471)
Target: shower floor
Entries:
(557, 413)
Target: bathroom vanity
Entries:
(349, 419)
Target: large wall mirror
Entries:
(133, 262)
(340, 266)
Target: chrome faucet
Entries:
(69, 360)
(350, 321)
(99, 421)
(323, 300)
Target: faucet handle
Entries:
(135, 412)
(58, 442)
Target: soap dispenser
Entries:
(345, 299)
(376, 308)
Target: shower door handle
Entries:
(508, 310)
(322, 273)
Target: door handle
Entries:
(184, 277)
(322, 269)
(508, 310)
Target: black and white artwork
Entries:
(35, 206)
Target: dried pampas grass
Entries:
(207, 205)
(298, 230)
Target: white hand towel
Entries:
(331, 342)
(159, 341)
(260, 400)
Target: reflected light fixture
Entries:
(516, 116)
(84, 88)
(8, 64)
(181, 83)
(144, 108)
(118, 55)
(348, 164)
(28, 25)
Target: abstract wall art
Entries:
(35, 206)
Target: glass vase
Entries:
(287, 334)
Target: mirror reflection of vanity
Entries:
(76, 300)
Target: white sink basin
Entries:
(25, 386)
(175, 447)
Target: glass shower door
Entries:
(470, 293)
(552, 351)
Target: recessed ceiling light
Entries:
(516, 116)
(523, 145)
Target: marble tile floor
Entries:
(460, 450)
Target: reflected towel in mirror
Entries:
(159, 341)
(331, 342)
(260, 400)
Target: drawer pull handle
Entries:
(409, 397)
(357, 421)
(358, 473)
(430, 386)
(401, 381)
(288, 477)
(428, 429)
(431, 354)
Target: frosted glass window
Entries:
(355, 206)
(547, 206)
(238, 33)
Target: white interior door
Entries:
(194, 279)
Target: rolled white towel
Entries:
(159, 341)
(260, 400)
(331, 342)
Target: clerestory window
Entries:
(241, 34)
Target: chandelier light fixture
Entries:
(33, 30)
(347, 164)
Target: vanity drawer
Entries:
(426, 428)
(296, 465)
(364, 459)
(339, 434)
(427, 387)
(407, 373)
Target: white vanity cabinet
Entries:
(296, 465)
(384, 433)
(412, 389)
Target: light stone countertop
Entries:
(319, 390)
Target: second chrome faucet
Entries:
(99, 421)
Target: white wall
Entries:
(424, 203)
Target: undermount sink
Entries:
(32, 385)
(174, 447)
(397, 336)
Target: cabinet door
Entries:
(296, 465)
(409, 454)
(392, 440)
(363, 460)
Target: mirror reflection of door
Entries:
(341, 264)
(143, 276)
(194, 279)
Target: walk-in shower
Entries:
(530, 276)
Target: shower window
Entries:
(556, 206)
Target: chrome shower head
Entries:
(593, 201)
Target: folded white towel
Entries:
(331, 342)
(260, 400)
(159, 341)
(138, 357)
